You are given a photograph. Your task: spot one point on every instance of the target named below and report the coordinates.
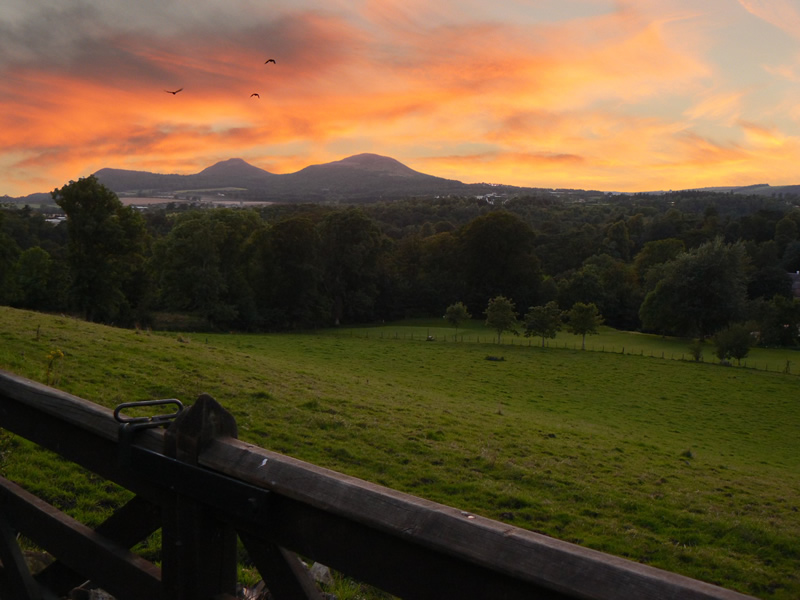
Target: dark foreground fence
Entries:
(204, 489)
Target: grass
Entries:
(686, 466)
(607, 340)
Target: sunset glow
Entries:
(592, 94)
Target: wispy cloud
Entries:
(783, 14)
(789, 71)
(724, 107)
(760, 136)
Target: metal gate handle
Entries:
(128, 426)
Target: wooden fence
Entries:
(204, 489)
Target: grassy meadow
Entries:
(690, 467)
(606, 340)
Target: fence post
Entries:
(17, 580)
(198, 551)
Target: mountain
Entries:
(226, 174)
(367, 162)
(234, 169)
(359, 178)
(759, 189)
(362, 177)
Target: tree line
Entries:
(690, 264)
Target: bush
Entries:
(733, 342)
(696, 349)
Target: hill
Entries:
(234, 173)
(362, 177)
(758, 189)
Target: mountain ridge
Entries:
(358, 178)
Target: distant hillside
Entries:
(364, 176)
(228, 173)
(759, 189)
(359, 178)
(32, 199)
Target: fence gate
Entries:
(204, 489)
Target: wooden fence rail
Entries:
(204, 489)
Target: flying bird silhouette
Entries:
(175, 92)
(271, 60)
(256, 95)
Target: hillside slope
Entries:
(687, 466)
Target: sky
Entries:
(585, 94)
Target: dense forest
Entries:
(686, 263)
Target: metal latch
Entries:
(128, 426)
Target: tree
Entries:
(404, 266)
(289, 262)
(582, 285)
(617, 242)
(501, 316)
(733, 342)
(767, 278)
(655, 253)
(786, 232)
(440, 272)
(456, 314)
(33, 278)
(669, 225)
(203, 263)
(608, 283)
(543, 321)
(778, 320)
(498, 258)
(9, 253)
(106, 251)
(696, 349)
(701, 291)
(352, 250)
(790, 259)
(583, 319)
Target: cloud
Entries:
(725, 107)
(499, 166)
(86, 42)
(783, 14)
(760, 136)
(789, 72)
(530, 93)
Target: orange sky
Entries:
(592, 94)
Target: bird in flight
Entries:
(256, 95)
(175, 92)
(271, 60)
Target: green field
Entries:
(690, 467)
(607, 340)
